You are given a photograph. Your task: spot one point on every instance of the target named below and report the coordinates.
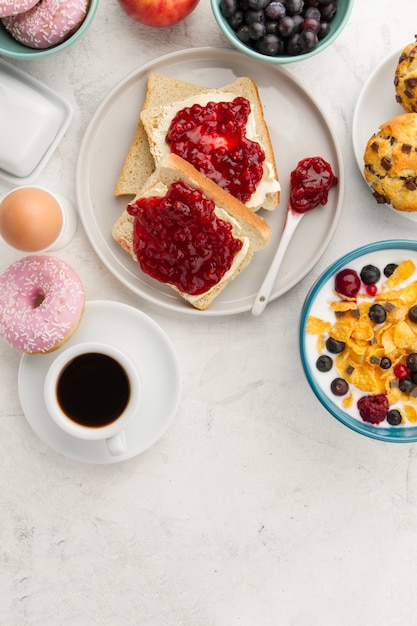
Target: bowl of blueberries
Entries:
(358, 340)
(281, 31)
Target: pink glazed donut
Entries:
(13, 7)
(48, 23)
(41, 303)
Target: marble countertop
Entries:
(256, 507)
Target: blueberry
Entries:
(370, 275)
(272, 29)
(339, 387)
(293, 44)
(228, 7)
(394, 417)
(236, 20)
(385, 363)
(308, 40)
(271, 45)
(334, 346)
(298, 22)
(412, 314)
(324, 363)
(274, 10)
(258, 4)
(243, 33)
(286, 26)
(256, 30)
(328, 11)
(377, 313)
(406, 385)
(252, 17)
(324, 30)
(294, 6)
(412, 362)
(390, 269)
(312, 12)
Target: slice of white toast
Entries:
(252, 229)
(138, 165)
(164, 97)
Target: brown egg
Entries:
(30, 219)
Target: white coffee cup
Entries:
(92, 391)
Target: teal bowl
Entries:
(344, 9)
(316, 303)
(15, 50)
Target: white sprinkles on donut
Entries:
(14, 7)
(41, 303)
(48, 23)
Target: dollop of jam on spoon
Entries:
(310, 184)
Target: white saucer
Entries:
(147, 345)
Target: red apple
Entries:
(158, 12)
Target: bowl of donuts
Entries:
(36, 28)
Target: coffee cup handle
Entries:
(117, 444)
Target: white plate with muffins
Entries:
(377, 105)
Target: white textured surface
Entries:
(256, 508)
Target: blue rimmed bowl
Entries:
(317, 304)
(11, 48)
(338, 23)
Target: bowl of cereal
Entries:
(358, 340)
(281, 31)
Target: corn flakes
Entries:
(368, 345)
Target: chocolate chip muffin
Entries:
(391, 162)
(405, 81)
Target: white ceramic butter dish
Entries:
(33, 120)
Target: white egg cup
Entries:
(69, 219)
(69, 223)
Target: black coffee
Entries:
(93, 389)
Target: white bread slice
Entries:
(248, 225)
(163, 97)
(139, 162)
(138, 165)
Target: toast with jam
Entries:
(222, 132)
(189, 233)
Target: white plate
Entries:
(376, 105)
(33, 120)
(149, 348)
(298, 129)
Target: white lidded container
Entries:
(33, 120)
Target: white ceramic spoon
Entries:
(292, 220)
(312, 180)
